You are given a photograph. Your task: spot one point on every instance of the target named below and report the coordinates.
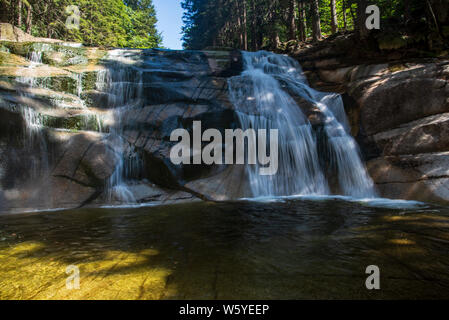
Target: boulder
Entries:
(422, 177)
(429, 134)
(398, 110)
(8, 32)
(67, 123)
(390, 103)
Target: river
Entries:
(269, 248)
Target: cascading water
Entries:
(122, 81)
(34, 129)
(79, 84)
(263, 96)
(35, 56)
(35, 141)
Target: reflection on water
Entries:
(289, 249)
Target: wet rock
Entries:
(397, 108)
(389, 103)
(422, 177)
(87, 158)
(429, 134)
(72, 115)
(8, 32)
(64, 57)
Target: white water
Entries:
(79, 84)
(368, 202)
(35, 141)
(123, 84)
(39, 162)
(121, 80)
(35, 56)
(262, 103)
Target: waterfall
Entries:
(34, 133)
(35, 56)
(35, 140)
(265, 96)
(79, 84)
(122, 82)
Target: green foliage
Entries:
(113, 23)
(265, 22)
(257, 24)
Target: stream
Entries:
(266, 248)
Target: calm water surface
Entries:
(283, 249)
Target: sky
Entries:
(169, 14)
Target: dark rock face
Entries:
(420, 177)
(179, 88)
(398, 111)
(404, 116)
(67, 129)
(426, 135)
(64, 134)
(403, 97)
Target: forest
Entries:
(265, 24)
(113, 23)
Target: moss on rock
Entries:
(392, 42)
(62, 56)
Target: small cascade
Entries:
(264, 97)
(118, 185)
(35, 56)
(35, 133)
(27, 81)
(35, 142)
(33, 121)
(35, 137)
(79, 84)
(343, 151)
(122, 81)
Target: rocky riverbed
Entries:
(58, 108)
(397, 101)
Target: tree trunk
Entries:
(29, 20)
(259, 34)
(239, 26)
(334, 22)
(292, 20)
(302, 20)
(245, 31)
(19, 13)
(407, 16)
(361, 19)
(4, 14)
(432, 16)
(273, 22)
(316, 24)
(253, 26)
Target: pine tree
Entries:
(112, 23)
